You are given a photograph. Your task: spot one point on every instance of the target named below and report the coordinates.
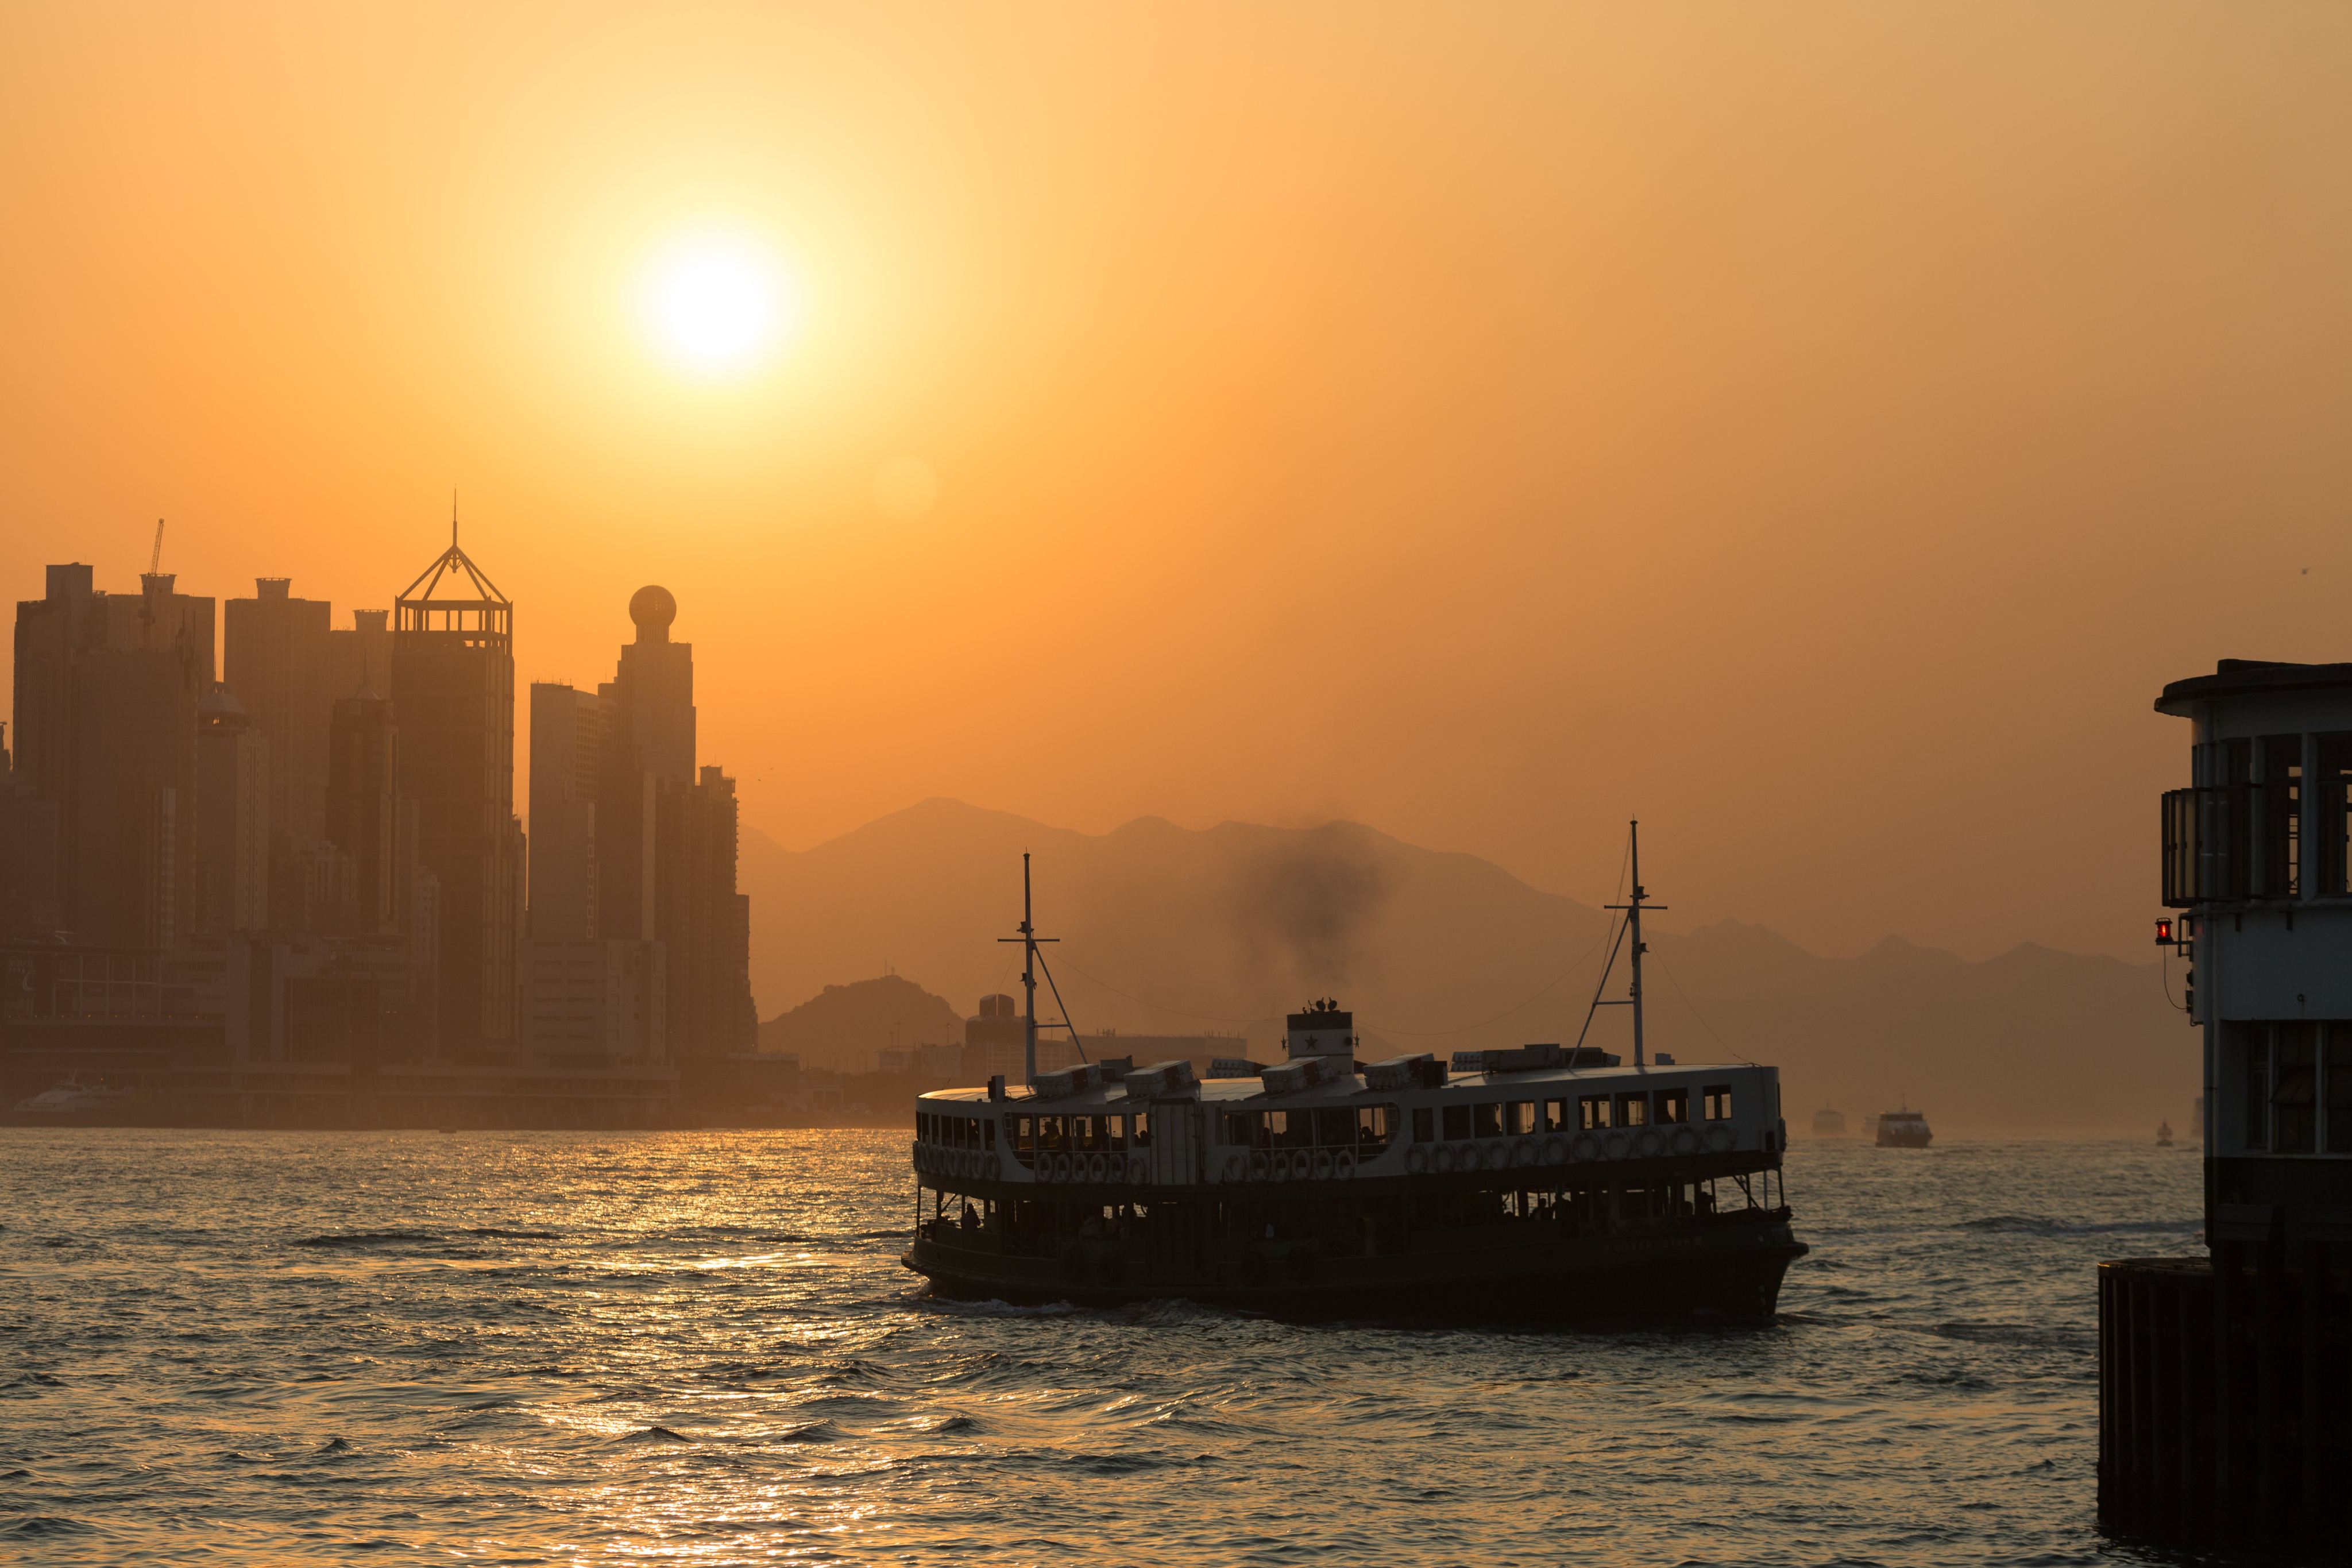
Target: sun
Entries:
(719, 305)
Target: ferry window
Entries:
(1520, 1117)
(1292, 1128)
(1633, 1110)
(1024, 1134)
(988, 1134)
(1457, 1121)
(1488, 1119)
(1719, 1102)
(923, 1126)
(1052, 1134)
(1244, 1130)
(1674, 1105)
(1421, 1130)
(1555, 1116)
(1115, 1134)
(2294, 1102)
(1376, 1124)
(1335, 1128)
(1592, 1111)
(1085, 1134)
(1143, 1129)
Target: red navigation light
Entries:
(2163, 932)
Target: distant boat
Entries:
(1829, 1123)
(1902, 1129)
(2164, 1134)
(73, 1098)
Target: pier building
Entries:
(2219, 1376)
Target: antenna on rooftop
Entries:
(155, 561)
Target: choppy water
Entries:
(567, 1347)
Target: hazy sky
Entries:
(1819, 429)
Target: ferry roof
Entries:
(1531, 1084)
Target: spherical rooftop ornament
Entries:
(653, 609)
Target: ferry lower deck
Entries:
(1701, 1235)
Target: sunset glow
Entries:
(719, 305)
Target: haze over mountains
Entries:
(1173, 930)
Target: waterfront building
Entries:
(363, 807)
(568, 728)
(453, 689)
(274, 654)
(2216, 1420)
(106, 693)
(633, 843)
(231, 820)
(28, 854)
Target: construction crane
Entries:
(155, 561)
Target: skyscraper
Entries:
(568, 730)
(665, 841)
(275, 657)
(363, 806)
(231, 821)
(453, 689)
(106, 693)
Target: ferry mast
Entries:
(1633, 910)
(1029, 939)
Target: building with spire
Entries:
(453, 689)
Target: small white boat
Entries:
(73, 1098)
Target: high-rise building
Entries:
(29, 855)
(106, 693)
(567, 756)
(363, 806)
(632, 843)
(360, 654)
(231, 821)
(453, 689)
(274, 654)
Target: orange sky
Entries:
(1819, 430)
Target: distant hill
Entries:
(842, 1027)
(1168, 930)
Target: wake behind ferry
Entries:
(1545, 1183)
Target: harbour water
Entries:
(220, 1347)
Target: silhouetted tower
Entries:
(275, 657)
(106, 693)
(665, 841)
(232, 818)
(453, 688)
(567, 759)
(363, 804)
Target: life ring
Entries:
(1555, 1150)
(1135, 1170)
(1685, 1141)
(1343, 1166)
(995, 1168)
(1523, 1152)
(1261, 1165)
(1095, 1168)
(1476, 1157)
(1234, 1167)
(1302, 1165)
(922, 1161)
(1446, 1158)
(1617, 1144)
(1720, 1140)
(1061, 1167)
(1586, 1147)
(1322, 1164)
(1650, 1142)
(1416, 1160)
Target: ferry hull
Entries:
(1730, 1271)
